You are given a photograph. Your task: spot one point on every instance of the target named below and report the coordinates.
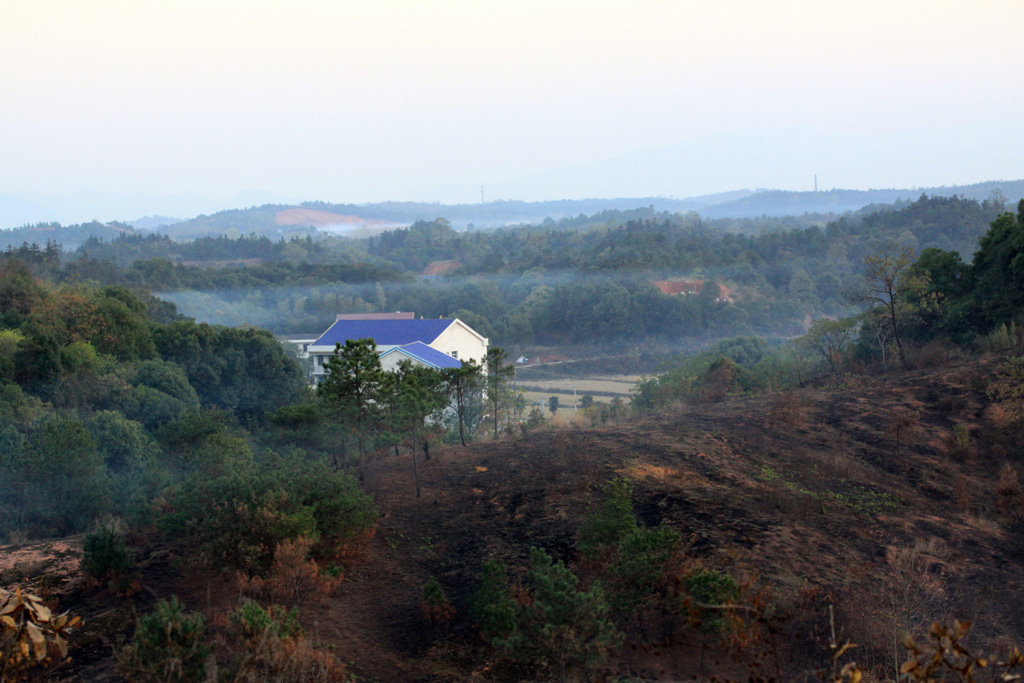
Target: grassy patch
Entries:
(863, 501)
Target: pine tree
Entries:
(562, 625)
(352, 389)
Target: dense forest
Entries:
(548, 284)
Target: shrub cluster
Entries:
(239, 520)
(257, 644)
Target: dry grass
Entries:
(805, 492)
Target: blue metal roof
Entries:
(385, 332)
(427, 354)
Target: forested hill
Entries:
(738, 204)
(308, 218)
(784, 203)
(533, 284)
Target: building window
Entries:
(455, 355)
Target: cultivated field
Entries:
(602, 387)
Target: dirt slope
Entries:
(804, 490)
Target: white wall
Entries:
(461, 338)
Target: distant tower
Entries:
(815, 182)
(481, 194)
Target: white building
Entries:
(435, 342)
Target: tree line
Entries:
(909, 301)
(546, 284)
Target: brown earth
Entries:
(319, 219)
(802, 490)
(442, 267)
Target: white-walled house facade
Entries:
(434, 342)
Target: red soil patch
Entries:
(54, 557)
(442, 267)
(320, 219)
(676, 287)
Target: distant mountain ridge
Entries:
(785, 203)
(734, 204)
(283, 220)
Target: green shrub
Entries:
(1001, 338)
(64, 482)
(256, 622)
(609, 525)
(491, 605)
(434, 604)
(105, 558)
(237, 521)
(169, 645)
(708, 587)
(638, 574)
(559, 625)
(343, 513)
(961, 440)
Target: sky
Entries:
(430, 100)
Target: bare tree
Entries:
(877, 326)
(884, 285)
(902, 423)
(910, 597)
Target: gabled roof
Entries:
(385, 332)
(426, 354)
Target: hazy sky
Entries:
(365, 101)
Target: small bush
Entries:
(269, 645)
(785, 411)
(604, 530)
(931, 355)
(1007, 387)
(255, 622)
(638, 576)
(293, 576)
(960, 444)
(961, 495)
(106, 559)
(1008, 488)
(169, 645)
(1001, 338)
(256, 645)
(708, 587)
(434, 604)
(491, 606)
